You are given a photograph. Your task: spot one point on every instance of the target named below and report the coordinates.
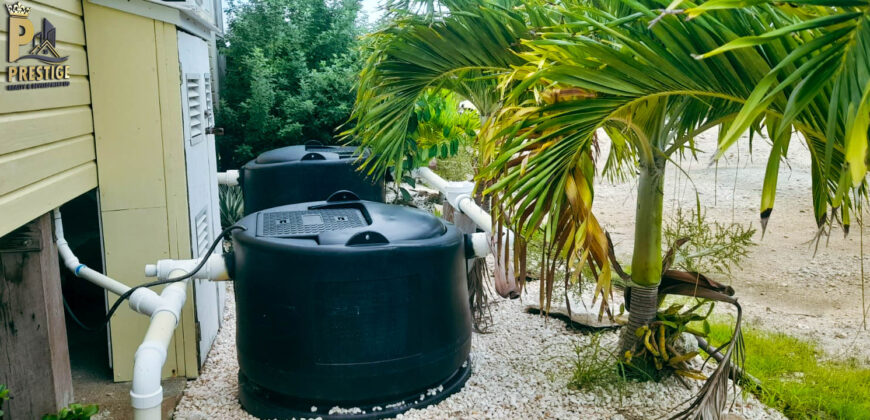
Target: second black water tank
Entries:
(297, 174)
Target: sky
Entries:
(370, 7)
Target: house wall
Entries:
(47, 154)
(136, 90)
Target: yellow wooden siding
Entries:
(175, 171)
(47, 146)
(31, 129)
(139, 146)
(77, 57)
(20, 206)
(26, 167)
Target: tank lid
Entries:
(312, 151)
(350, 223)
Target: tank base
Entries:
(266, 404)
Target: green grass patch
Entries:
(796, 381)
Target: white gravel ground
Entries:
(520, 371)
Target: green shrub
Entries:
(74, 412)
(291, 66)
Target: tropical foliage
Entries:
(290, 72)
(440, 127)
(437, 129)
(552, 80)
(232, 205)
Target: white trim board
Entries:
(163, 13)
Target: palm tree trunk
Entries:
(646, 262)
(481, 201)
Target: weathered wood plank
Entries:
(124, 261)
(33, 344)
(128, 126)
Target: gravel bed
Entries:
(521, 368)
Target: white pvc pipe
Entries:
(146, 394)
(144, 301)
(230, 177)
(459, 196)
(480, 244)
(432, 178)
(80, 270)
(215, 268)
(477, 215)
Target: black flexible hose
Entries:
(76, 319)
(128, 293)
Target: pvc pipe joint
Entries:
(80, 270)
(145, 301)
(215, 268)
(479, 242)
(146, 393)
(230, 177)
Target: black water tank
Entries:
(298, 174)
(349, 303)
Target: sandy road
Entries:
(781, 284)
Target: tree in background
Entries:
(291, 66)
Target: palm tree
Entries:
(652, 81)
(643, 85)
(463, 51)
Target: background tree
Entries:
(291, 67)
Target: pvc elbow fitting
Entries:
(148, 362)
(477, 245)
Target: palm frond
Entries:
(462, 51)
(826, 78)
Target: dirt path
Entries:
(782, 285)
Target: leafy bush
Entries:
(439, 129)
(291, 66)
(74, 412)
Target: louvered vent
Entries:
(203, 239)
(195, 108)
(209, 106)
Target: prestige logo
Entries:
(43, 47)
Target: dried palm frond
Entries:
(712, 399)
